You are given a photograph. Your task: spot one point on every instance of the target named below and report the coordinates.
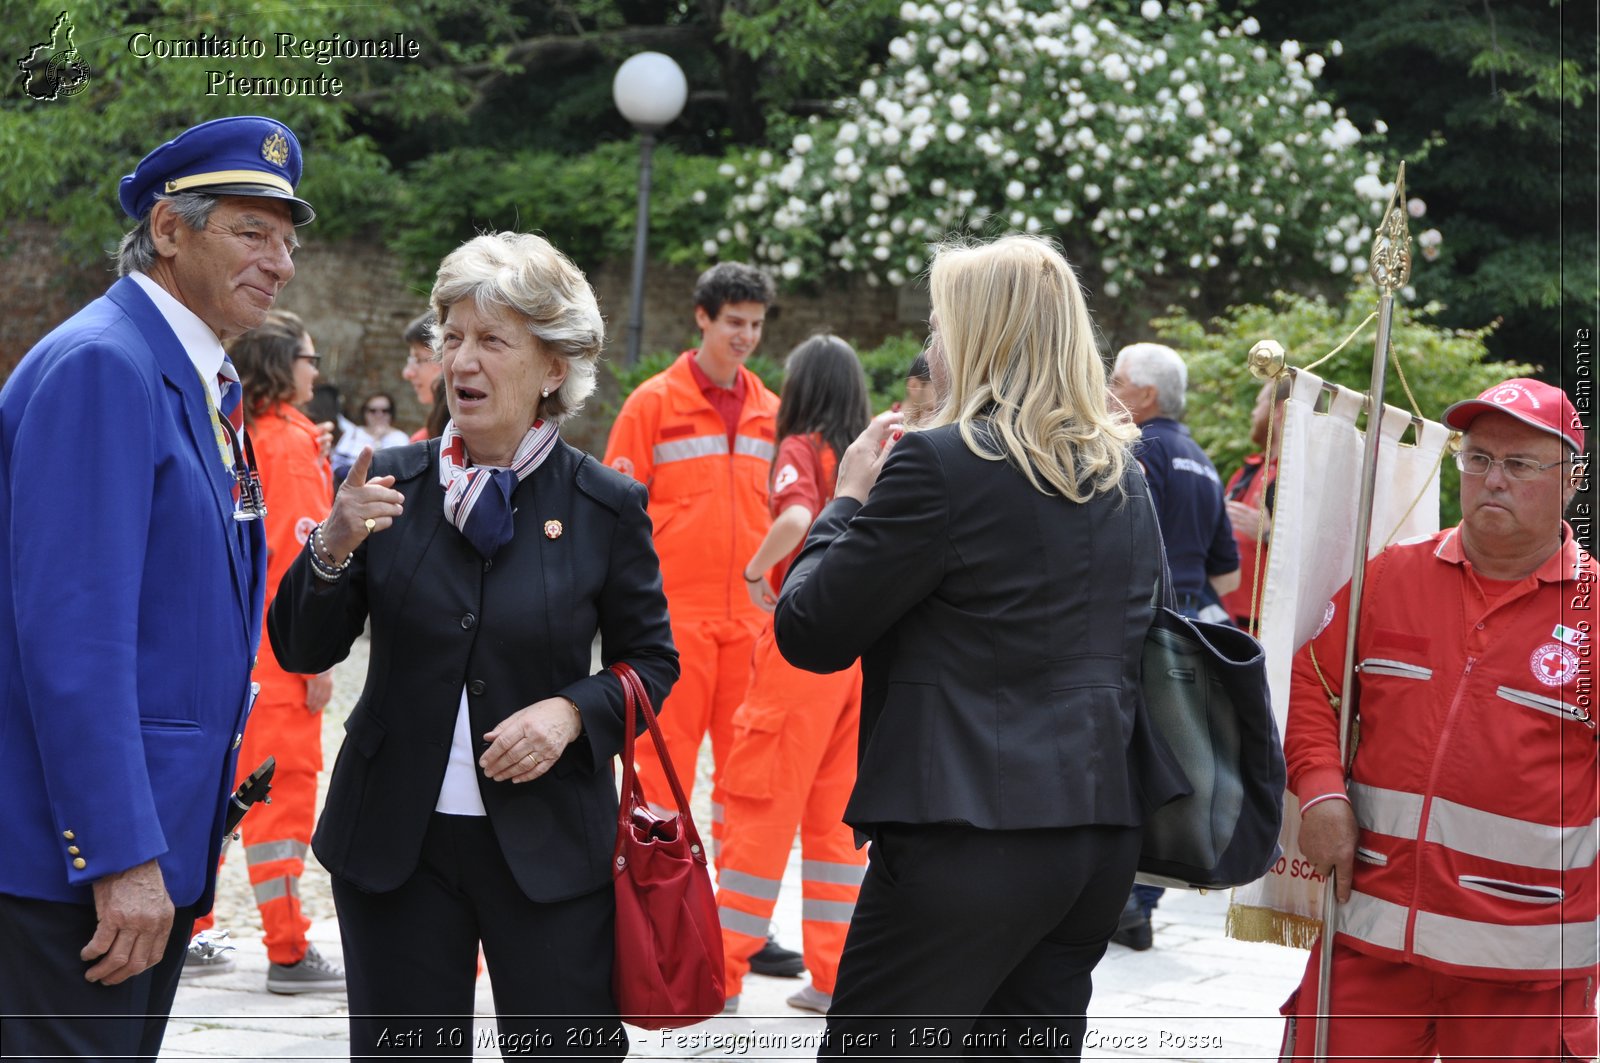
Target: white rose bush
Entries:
(1156, 138)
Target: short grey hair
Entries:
(526, 274)
(138, 248)
(1159, 366)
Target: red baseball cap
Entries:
(1533, 402)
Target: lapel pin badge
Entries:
(552, 529)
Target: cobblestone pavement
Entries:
(1196, 995)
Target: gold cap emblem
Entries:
(552, 529)
(275, 149)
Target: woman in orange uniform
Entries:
(793, 760)
(277, 366)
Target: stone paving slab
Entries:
(1195, 996)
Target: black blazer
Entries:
(512, 631)
(1000, 633)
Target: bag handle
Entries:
(1162, 593)
(637, 701)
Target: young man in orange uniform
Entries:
(700, 436)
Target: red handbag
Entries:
(668, 970)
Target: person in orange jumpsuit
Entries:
(700, 436)
(277, 366)
(793, 761)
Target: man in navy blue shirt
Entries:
(1151, 380)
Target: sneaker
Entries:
(1133, 926)
(313, 974)
(775, 961)
(209, 953)
(811, 999)
(731, 1005)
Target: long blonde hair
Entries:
(1024, 374)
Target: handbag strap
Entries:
(636, 702)
(1162, 593)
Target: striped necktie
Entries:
(232, 404)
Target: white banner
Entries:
(1309, 556)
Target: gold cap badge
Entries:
(275, 149)
(552, 529)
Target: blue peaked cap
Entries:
(243, 156)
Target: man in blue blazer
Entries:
(131, 596)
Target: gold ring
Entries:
(371, 524)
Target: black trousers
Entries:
(411, 957)
(971, 943)
(47, 1008)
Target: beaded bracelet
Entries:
(325, 570)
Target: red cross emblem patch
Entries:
(1554, 664)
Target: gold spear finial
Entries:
(1390, 262)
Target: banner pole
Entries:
(1390, 269)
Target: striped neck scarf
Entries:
(477, 499)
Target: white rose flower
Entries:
(880, 253)
(1015, 189)
(1150, 9)
(1430, 238)
(1112, 288)
(1075, 172)
(1416, 207)
(802, 143)
(953, 132)
(937, 186)
(790, 269)
(1314, 65)
(699, 196)
(1290, 50)
(844, 156)
(1091, 192)
(726, 169)
(710, 248)
(1250, 27)
(1338, 264)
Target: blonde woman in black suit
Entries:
(994, 573)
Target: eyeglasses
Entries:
(314, 359)
(1475, 464)
(385, 410)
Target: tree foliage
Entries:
(1495, 103)
(1170, 142)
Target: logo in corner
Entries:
(1554, 664)
(302, 529)
(623, 464)
(54, 69)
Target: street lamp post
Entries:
(649, 90)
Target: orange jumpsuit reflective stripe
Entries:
(298, 486)
(708, 506)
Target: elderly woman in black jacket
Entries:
(473, 799)
(996, 582)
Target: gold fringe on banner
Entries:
(1250, 923)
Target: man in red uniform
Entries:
(700, 436)
(1463, 841)
(1248, 498)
